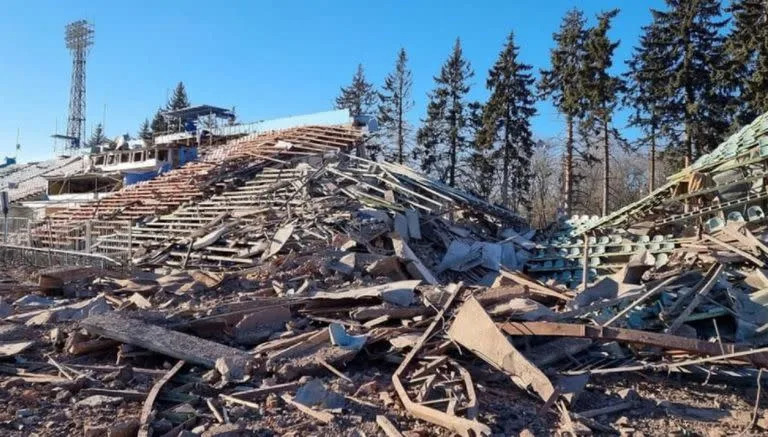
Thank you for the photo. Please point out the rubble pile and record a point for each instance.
(326, 294)
(331, 206)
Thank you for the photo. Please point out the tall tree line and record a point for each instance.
(697, 73)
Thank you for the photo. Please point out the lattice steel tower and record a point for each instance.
(79, 38)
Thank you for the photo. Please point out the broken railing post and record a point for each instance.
(88, 230)
(585, 262)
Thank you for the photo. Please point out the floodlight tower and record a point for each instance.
(79, 38)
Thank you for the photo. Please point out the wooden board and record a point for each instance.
(164, 341)
(474, 329)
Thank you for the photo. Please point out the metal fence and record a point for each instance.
(103, 242)
(15, 231)
(113, 239)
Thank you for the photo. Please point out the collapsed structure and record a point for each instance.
(279, 281)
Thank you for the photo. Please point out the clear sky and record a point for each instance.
(268, 59)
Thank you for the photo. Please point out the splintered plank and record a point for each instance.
(474, 329)
(146, 410)
(164, 341)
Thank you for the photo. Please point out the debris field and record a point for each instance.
(285, 286)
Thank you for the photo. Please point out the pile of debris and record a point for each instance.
(335, 206)
(331, 295)
(352, 338)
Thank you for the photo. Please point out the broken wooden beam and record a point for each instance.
(666, 341)
(174, 344)
(321, 416)
(533, 286)
(146, 410)
(387, 426)
(707, 283)
(260, 392)
(55, 278)
(459, 425)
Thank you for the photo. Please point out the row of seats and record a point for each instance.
(754, 213)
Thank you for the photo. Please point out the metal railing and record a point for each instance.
(15, 231)
(103, 243)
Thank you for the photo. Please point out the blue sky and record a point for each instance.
(268, 59)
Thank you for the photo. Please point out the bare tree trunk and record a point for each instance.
(505, 178)
(689, 101)
(452, 168)
(505, 167)
(400, 139)
(606, 169)
(652, 162)
(688, 145)
(568, 170)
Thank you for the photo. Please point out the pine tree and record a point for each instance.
(506, 120)
(359, 97)
(481, 172)
(396, 101)
(696, 98)
(747, 48)
(564, 83)
(97, 136)
(647, 76)
(159, 124)
(145, 133)
(602, 91)
(443, 135)
(179, 100)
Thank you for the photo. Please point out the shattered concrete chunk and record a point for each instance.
(99, 401)
(315, 393)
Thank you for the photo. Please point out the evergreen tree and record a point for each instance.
(359, 97)
(747, 48)
(481, 172)
(97, 136)
(565, 84)
(179, 99)
(159, 124)
(696, 98)
(396, 101)
(602, 91)
(443, 135)
(646, 79)
(145, 133)
(506, 120)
